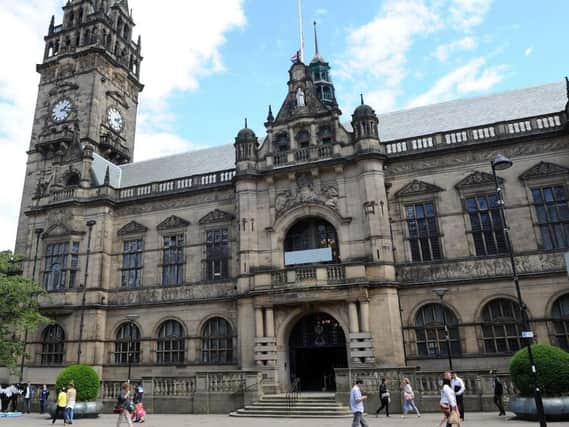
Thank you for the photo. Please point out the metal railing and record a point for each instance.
(293, 394)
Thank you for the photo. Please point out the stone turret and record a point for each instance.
(365, 124)
(246, 145)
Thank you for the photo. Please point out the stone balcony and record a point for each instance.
(303, 155)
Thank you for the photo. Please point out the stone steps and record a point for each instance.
(310, 406)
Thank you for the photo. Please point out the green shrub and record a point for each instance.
(552, 365)
(85, 379)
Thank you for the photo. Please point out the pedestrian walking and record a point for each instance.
(499, 395)
(61, 404)
(4, 397)
(124, 406)
(28, 394)
(138, 393)
(70, 407)
(448, 403)
(385, 398)
(44, 395)
(459, 388)
(357, 405)
(13, 393)
(408, 399)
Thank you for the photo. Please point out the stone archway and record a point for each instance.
(317, 345)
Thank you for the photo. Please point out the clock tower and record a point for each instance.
(88, 94)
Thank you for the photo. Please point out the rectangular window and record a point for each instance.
(61, 267)
(423, 232)
(216, 264)
(131, 273)
(552, 211)
(173, 260)
(486, 223)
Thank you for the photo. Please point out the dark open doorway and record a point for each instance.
(317, 346)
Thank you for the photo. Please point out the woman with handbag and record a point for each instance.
(408, 399)
(448, 404)
(124, 406)
(384, 397)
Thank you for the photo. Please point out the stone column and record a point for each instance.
(364, 316)
(269, 322)
(259, 326)
(353, 316)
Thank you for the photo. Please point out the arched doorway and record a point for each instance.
(317, 346)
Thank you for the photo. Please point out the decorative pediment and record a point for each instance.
(418, 187)
(216, 216)
(132, 227)
(173, 222)
(59, 230)
(544, 170)
(477, 179)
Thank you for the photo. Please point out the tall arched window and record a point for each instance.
(171, 343)
(311, 233)
(560, 315)
(500, 326)
(52, 345)
(217, 341)
(430, 331)
(127, 344)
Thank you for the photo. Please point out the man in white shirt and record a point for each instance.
(357, 405)
(458, 386)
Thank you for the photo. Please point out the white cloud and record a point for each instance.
(181, 44)
(445, 50)
(475, 76)
(465, 14)
(321, 12)
(528, 51)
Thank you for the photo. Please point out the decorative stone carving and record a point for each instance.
(172, 222)
(544, 170)
(477, 179)
(418, 187)
(132, 227)
(305, 193)
(216, 216)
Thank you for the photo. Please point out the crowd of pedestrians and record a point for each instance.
(451, 399)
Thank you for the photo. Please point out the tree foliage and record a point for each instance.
(19, 309)
(552, 365)
(85, 379)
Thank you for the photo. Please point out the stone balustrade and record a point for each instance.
(308, 275)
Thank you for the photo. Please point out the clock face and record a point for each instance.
(114, 119)
(61, 110)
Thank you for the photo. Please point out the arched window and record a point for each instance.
(217, 341)
(500, 326)
(430, 331)
(52, 342)
(171, 343)
(311, 233)
(303, 139)
(127, 344)
(281, 143)
(560, 315)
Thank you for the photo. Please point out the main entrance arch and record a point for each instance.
(317, 345)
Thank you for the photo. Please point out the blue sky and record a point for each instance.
(208, 64)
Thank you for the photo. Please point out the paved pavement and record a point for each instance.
(429, 420)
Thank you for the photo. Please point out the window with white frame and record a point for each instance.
(61, 265)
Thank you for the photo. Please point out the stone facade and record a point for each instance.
(204, 257)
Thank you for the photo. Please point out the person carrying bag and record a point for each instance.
(124, 406)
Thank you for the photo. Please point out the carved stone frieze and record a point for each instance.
(544, 170)
(418, 187)
(477, 179)
(216, 216)
(132, 227)
(173, 222)
(305, 193)
(477, 154)
(480, 268)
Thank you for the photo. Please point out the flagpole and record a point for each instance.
(300, 32)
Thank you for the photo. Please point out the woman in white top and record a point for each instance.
(408, 399)
(448, 402)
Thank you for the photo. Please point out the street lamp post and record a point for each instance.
(90, 225)
(38, 232)
(440, 292)
(131, 318)
(501, 162)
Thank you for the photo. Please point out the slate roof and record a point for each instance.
(473, 112)
(453, 115)
(178, 165)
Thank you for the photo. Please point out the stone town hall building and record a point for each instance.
(315, 247)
